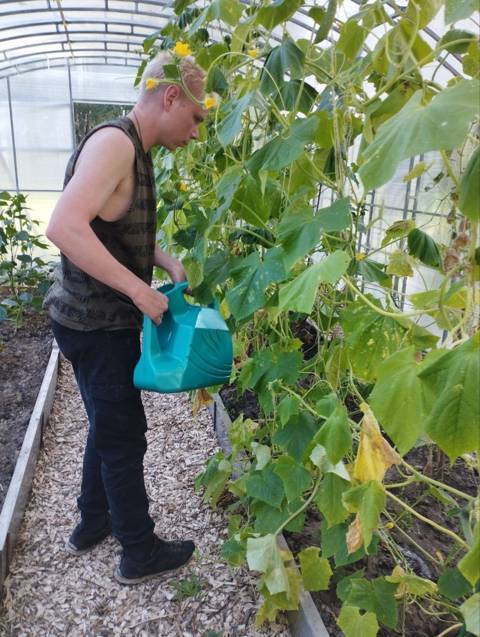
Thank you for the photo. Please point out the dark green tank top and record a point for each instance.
(79, 301)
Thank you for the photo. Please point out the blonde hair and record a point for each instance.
(192, 75)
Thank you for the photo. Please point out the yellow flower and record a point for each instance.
(182, 49)
(210, 102)
(389, 525)
(360, 256)
(183, 186)
(151, 83)
(253, 53)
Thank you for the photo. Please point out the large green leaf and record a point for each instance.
(316, 570)
(277, 12)
(254, 276)
(296, 435)
(268, 519)
(399, 399)
(368, 500)
(454, 379)
(268, 365)
(459, 9)
(376, 596)
(225, 190)
(469, 201)
(471, 612)
(231, 125)
(329, 498)
(282, 59)
(296, 96)
(469, 565)
(452, 584)
(300, 293)
(286, 147)
(300, 232)
(353, 624)
(370, 338)
(422, 12)
(266, 486)
(249, 202)
(351, 39)
(335, 434)
(296, 479)
(422, 246)
(419, 128)
(227, 10)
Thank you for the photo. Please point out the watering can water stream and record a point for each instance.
(191, 348)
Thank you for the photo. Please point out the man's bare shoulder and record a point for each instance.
(109, 144)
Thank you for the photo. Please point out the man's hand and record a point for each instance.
(176, 271)
(171, 265)
(150, 302)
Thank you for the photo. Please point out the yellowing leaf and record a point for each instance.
(354, 535)
(374, 455)
(224, 309)
(410, 584)
(202, 399)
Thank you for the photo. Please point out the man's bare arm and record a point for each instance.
(106, 159)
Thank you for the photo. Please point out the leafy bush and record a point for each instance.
(24, 277)
(298, 117)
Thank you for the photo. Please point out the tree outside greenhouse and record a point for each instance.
(355, 325)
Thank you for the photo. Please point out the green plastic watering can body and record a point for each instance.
(191, 348)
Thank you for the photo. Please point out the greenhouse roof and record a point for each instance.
(45, 33)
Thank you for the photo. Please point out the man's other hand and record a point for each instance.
(150, 302)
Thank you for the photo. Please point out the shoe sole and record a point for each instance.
(72, 549)
(130, 581)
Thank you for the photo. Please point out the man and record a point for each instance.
(104, 225)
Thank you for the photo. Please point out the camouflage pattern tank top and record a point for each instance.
(77, 300)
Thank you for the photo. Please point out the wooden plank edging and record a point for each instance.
(306, 621)
(18, 492)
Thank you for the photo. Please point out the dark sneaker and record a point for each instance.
(165, 557)
(83, 539)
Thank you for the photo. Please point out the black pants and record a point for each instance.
(103, 362)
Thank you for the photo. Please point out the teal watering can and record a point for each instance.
(191, 348)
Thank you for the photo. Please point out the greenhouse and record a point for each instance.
(239, 318)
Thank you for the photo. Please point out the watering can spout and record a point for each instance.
(191, 348)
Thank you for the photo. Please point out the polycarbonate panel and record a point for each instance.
(84, 4)
(86, 26)
(42, 126)
(7, 166)
(104, 84)
(6, 7)
(28, 43)
(121, 4)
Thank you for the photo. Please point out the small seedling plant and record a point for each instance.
(24, 276)
(389, 374)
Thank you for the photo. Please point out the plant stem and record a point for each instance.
(449, 630)
(438, 484)
(302, 508)
(377, 309)
(436, 526)
(412, 541)
(449, 168)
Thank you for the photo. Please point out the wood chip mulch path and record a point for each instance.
(50, 593)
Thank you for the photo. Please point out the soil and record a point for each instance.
(24, 354)
(430, 461)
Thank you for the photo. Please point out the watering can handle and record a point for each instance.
(176, 300)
